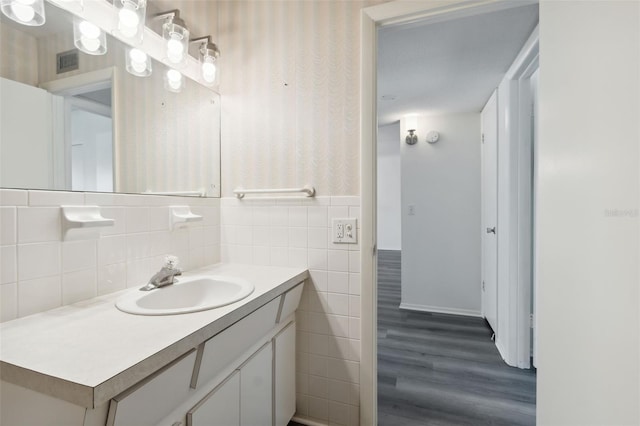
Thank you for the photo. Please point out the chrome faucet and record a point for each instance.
(165, 276)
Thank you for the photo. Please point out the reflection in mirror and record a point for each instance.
(84, 123)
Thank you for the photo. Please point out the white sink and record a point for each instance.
(188, 294)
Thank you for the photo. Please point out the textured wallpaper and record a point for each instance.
(290, 80)
(18, 55)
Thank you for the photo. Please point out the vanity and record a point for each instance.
(92, 364)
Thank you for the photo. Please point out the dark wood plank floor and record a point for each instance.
(436, 369)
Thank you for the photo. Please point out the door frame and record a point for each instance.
(515, 274)
(392, 13)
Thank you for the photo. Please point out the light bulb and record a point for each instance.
(23, 10)
(174, 79)
(128, 20)
(209, 70)
(91, 44)
(175, 49)
(89, 30)
(138, 60)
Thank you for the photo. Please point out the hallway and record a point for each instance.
(437, 369)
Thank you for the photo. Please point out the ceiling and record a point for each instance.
(429, 68)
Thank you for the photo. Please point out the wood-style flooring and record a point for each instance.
(436, 369)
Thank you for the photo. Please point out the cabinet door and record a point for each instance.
(220, 407)
(256, 402)
(284, 375)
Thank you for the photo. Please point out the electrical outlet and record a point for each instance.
(412, 209)
(344, 231)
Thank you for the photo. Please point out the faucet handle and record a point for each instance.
(171, 262)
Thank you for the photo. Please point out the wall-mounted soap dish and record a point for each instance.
(83, 222)
(181, 215)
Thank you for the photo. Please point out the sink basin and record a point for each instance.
(189, 294)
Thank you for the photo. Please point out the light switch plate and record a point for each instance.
(344, 231)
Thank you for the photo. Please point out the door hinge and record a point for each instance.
(482, 285)
(531, 320)
(483, 138)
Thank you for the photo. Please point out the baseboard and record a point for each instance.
(306, 421)
(440, 310)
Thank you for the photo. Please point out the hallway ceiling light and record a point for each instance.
(89, 37)
(138, 63)
(25, 12)
(208, 55)
(131, 17)
(174, 81)
(176, 35)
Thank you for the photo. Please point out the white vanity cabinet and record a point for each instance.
(229, 367)
(260, 391)
(242, 399)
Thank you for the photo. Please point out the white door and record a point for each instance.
(221, 406)
(490, 211)
(23, 142)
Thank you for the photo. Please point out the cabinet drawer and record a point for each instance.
(225, 347)
(291, 302)
(154, 398)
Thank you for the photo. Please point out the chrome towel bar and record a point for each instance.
(308, 190)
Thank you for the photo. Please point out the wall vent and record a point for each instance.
(67, 61)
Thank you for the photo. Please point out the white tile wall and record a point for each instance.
(40, 272)
(296, 233)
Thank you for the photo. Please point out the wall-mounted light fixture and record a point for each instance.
(76, 5)
(88, 37)
(208, 55)
(176, 36)
(411, 123)
(25, 12)
(131, 17)
(138, 62)
(174, 81)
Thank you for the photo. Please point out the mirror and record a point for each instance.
(92, 126)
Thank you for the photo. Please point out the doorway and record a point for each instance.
(409, 208)
(91, 139)
(83, 131)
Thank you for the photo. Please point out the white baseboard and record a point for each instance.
(440, 310)
(306, 421)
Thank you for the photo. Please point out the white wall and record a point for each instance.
(441, 242)
(389, 224)
(588, 256)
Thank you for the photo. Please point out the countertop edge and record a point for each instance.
(48, 385)
(91, 397)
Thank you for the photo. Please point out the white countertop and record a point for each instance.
(89, 352)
